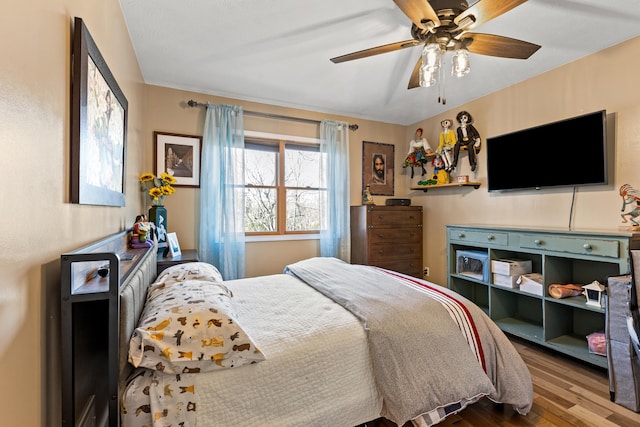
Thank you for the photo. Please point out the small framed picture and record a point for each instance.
(179, 156)
(174, 246)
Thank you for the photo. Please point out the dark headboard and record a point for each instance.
(98, 315)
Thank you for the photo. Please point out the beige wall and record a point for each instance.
(168, 112)
(605, 80)
(38, 222)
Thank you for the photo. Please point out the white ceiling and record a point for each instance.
(277, 51)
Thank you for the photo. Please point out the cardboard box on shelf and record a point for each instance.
(531, 283)
(511, 267)
(505, 280)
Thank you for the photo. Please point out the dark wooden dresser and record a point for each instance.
(387, 236)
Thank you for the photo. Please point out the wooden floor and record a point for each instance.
(566, 393)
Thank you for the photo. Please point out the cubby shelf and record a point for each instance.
(560, 256)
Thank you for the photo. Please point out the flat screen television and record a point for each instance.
(566, 153)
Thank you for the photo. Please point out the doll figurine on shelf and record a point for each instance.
(141, 236)
(419, 149)
(447, 143)
(440, 174)
(468, 137)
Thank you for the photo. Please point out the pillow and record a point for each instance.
(188, 271)
(191, 327)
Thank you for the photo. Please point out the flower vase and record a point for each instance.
(158, 216)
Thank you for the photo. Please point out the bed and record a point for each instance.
(323, 343)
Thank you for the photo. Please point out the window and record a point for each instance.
(282, 187)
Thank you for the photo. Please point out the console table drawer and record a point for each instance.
(475, 236)
(573, 245)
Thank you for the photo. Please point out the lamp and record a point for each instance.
(427, 78)
(432, 55)
(460, 63)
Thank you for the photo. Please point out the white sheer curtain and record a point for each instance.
(335, 237)
(222, 241)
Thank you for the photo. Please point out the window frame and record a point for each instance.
(280, 141)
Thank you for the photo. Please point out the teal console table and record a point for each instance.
(560, 256)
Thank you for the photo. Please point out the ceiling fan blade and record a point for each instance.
(391, 47)
(485, 10)
(414, 81)
(419, 11)
(492, 45)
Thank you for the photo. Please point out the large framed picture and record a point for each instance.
(179, 155)
(377, 167)
(98, 126)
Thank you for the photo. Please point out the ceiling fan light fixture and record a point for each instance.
(427, 77)
(431, 57)
(460, 63)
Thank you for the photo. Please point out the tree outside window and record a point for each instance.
(282, 187)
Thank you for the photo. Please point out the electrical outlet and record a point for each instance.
(425, 272)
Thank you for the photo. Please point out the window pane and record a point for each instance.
(261, 210)
(260, 167)
(303, 210)
(302, 166)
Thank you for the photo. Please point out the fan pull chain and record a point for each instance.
(442, 86)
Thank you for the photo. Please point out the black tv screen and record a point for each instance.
(569, 152)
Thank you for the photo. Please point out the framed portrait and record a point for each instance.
(377, 168)
(98, 126)
(174, 246)
(179, 155)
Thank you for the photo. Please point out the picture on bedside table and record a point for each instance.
(174, 246)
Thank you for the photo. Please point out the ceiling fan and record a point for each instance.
(446, 24)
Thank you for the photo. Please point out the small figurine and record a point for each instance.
(469, 137)
(447, 142)
(419, 149)
(440, 173)
(141, 233)
(367, 199)
(630, 196)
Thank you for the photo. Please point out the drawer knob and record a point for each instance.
(461, 235)
(587, 246)
(491, 237)
(538, 242)
(381, 236)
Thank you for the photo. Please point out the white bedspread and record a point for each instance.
(303, 382)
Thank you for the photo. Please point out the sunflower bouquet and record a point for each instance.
(157, 187)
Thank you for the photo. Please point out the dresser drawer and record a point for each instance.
(572, 245)
(395, 218)
(379, 252)
(395, 235)
(476, 236)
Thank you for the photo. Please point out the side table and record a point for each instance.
(188, 255)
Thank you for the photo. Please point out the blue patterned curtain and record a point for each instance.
(222, 241)
(335, 237)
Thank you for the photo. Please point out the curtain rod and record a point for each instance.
(193, 103)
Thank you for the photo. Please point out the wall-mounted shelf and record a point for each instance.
(425, 188)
